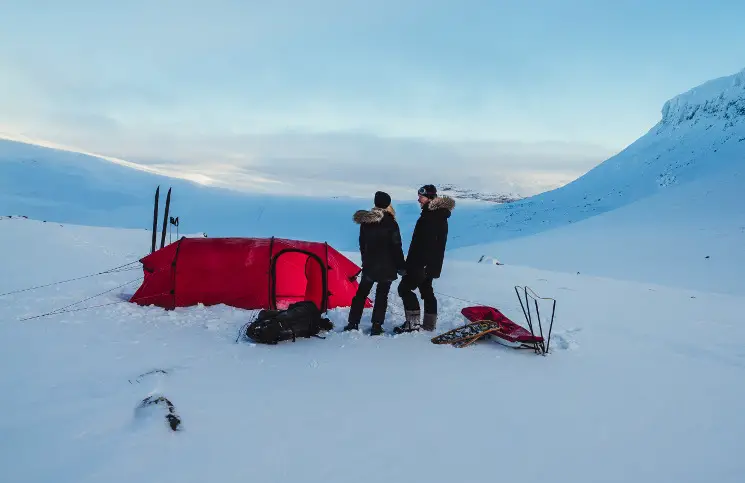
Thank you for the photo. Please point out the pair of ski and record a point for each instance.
(466, 335)
(173, 221)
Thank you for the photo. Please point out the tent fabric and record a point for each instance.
(248, 273)
(509, 330)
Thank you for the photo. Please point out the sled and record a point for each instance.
(510, 334)
(466, 334)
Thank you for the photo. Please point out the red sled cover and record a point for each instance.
(510, 331)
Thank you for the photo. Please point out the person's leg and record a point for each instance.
(430, 304)
(412, 310)
(406, 291)
(358, 303)
(380, 307)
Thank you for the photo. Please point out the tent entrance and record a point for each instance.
(297, 276)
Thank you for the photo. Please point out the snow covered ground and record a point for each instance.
(638, 387)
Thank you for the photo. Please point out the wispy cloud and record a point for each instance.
(348, 164)
(517, 96)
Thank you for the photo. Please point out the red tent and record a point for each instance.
(249, 273)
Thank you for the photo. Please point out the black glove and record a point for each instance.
(402, 272)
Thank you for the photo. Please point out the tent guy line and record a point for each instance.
(63, 310)
(119, 269)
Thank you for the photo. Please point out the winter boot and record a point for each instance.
(351, 326)
(412, 323)
(377, 328)
(430, 322)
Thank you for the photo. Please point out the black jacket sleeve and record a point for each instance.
(362, 242)
(397, 248)
(436, 253)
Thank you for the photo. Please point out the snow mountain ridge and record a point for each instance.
(701, 132)
(668, 210)
(713, 101)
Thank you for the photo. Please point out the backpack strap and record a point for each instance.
(292, 331)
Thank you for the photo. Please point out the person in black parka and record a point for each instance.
(382, 260)
(425, 258)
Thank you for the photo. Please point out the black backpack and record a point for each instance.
(301, 319)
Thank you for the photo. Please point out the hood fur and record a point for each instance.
(372, 216)
(444, 202)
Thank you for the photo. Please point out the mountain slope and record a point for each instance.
(68, 187)
(668, 210)
(55, 185)
(701, 132)
(690, 236)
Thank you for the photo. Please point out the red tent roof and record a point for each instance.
(249, 273)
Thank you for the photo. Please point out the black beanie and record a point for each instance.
(382, 200)
(429, 191)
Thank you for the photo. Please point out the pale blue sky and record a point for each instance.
(224, 82)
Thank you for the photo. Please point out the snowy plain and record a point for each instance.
(642, 382)
(639, 380)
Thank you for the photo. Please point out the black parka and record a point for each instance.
(380, 244)
(427, 249)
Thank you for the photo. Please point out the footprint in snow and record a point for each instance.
(564, 340)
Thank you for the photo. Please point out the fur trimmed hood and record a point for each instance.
(374, 215)
(444, 202)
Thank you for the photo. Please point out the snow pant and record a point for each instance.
(423, 282)
(381, 300)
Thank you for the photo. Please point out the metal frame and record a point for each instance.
(539, 347)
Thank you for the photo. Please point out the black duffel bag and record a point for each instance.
(301, 319)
